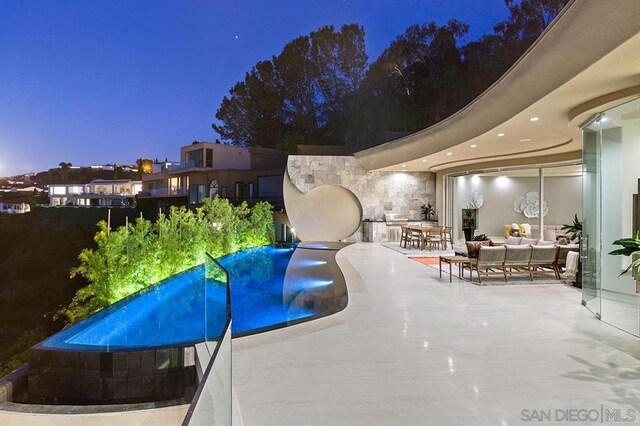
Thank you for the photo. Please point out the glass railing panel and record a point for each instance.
(212, 401)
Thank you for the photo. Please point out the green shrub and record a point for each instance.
(16, 354)
(132, 257)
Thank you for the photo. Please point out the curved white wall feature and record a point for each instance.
(603, 46)
(326, 213)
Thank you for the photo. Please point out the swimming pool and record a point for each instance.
(141, 349)
(271, 287)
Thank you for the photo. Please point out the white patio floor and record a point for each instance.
(413, 349)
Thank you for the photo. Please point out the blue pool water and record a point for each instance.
(172, 313)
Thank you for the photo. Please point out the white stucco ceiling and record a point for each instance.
(588, 52)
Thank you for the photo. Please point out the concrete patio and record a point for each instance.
(413, 349)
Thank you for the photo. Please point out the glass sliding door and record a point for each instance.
(620, 128)
(591, 202)
(611, 157)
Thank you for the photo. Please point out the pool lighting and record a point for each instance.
(309, 283)
(306, 263)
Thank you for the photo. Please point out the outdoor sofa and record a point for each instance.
(518, 255)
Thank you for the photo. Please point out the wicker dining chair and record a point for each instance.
(447, 237)
(435, 237)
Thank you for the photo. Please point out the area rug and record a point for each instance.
(416, 252)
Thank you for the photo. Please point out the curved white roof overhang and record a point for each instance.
(587, 58)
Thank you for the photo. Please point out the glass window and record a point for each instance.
(213, 188)
(58, 190)
(209, 157)
(194, 158)
(250, 190)
(239, 190)
(196, 194)
(223, 192)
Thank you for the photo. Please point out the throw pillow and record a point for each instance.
(513, 240)
(473, 247)
(507, 231)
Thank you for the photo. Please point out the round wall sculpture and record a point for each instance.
(326, 213)
(529, 205)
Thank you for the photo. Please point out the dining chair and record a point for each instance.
(434, 237)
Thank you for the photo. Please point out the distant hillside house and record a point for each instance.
(208, 169)
(14, 208)
(98, 193)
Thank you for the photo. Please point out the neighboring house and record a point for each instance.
(99, 192)
(208, 169)
(14, 208)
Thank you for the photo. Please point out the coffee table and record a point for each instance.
(455, 260)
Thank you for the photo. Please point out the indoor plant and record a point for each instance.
(630, 247)
(469, 223)
(574, 230)
(427, 211)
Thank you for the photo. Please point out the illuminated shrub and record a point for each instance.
(132, 257)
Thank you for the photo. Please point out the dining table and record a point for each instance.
(425, 231)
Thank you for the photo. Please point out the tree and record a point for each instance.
(145, 166)
(416, 81)
(64, 170)
(302, 94)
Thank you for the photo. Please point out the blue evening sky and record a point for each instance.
(98, 81)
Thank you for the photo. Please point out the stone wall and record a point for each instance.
(379, 192)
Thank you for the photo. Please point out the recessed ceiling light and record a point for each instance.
(526, 140)
(534, 118)
(474, 145)
(449, 153)
(404, 165)
(424, 161)
(500, 135)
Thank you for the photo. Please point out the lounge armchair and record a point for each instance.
(489, 258)
(543, 257)
(517, 257)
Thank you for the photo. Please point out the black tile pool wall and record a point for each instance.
(79, 378)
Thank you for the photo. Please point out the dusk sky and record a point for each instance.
(94, 82)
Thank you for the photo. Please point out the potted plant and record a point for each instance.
(427, 211)
(574, 230)
(469, 223)
(630, 247)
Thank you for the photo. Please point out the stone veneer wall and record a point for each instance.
(379, 192)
